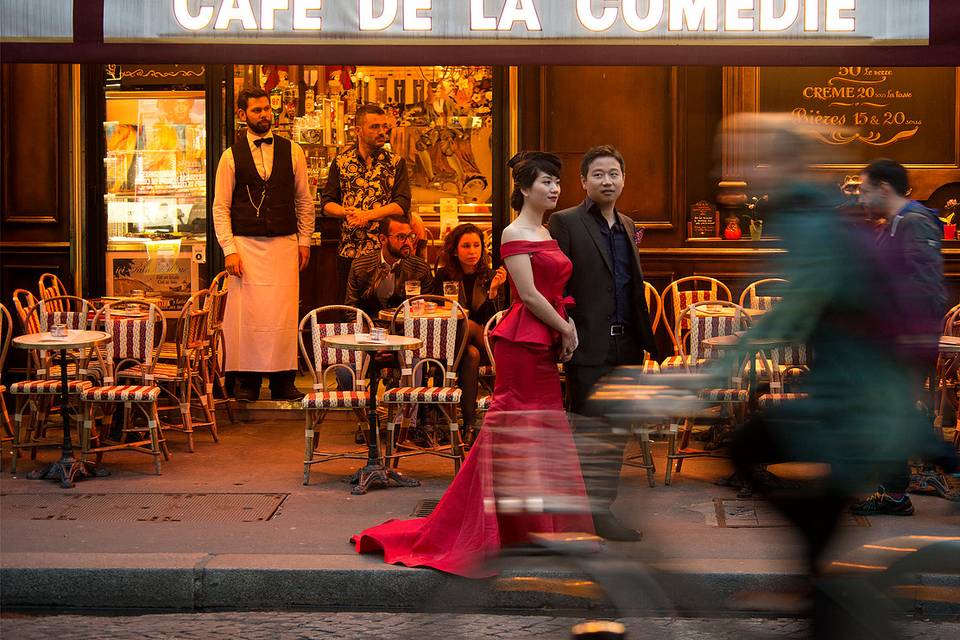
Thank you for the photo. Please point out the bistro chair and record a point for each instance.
(23, 301)
(752, 299)
(676, 298)
(705, 322)
(51, 287)
(324, 363)
(655, 310)
(488, 372)
(216, 346)
(36, 395)
(184, 381)
(6, 334)
(132, 353)
(484, 401)
(441, 350)
(788, 365)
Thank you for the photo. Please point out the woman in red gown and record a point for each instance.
(522, 475)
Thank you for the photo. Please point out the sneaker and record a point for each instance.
(881, 504)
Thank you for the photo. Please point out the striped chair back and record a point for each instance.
(52, 287)
(782, 360)
(71, 311)
(23, 301)
(68, 310)
(438, 335)
(710, 320)
(134, 340)
(680, 294)
(324, 359)
(752, 299)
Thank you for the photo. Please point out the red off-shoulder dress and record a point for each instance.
(523, 457)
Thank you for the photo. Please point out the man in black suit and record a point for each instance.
(613, 323)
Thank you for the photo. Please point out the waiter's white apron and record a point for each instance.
(260, 321)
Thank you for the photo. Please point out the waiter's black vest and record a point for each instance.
(278, 212)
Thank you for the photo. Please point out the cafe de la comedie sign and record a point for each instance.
(639, 22)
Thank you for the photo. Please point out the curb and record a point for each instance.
(197, 582)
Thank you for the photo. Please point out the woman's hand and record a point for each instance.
(569, 341)
(499, 277)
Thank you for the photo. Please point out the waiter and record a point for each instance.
(264, 216)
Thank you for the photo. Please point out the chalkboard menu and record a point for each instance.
(909, 114)
(703, 221)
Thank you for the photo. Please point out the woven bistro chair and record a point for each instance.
(484, 401)
(324, 363)
(751, 297)
(23, 301)
(6, 334)
(704, 322)
(655, 309)
(676, 298)
(184, 381)
(216, 345)
(135, 346)
(51, 287)
(441, 350)
(788, 365)
(36, 395)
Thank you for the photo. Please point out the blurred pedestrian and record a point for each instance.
(842, 301)
(909, 239)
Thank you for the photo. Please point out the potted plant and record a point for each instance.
(753, 218)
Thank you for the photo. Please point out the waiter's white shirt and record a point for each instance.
(263, 159)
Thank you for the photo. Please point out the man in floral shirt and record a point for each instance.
(366, 183)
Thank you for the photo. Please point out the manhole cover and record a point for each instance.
(743, 514)
(143, 507)
(425, 508)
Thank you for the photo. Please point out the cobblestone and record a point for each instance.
(399, 626)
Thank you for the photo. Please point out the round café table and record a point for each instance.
(375, 472)
(67, 468)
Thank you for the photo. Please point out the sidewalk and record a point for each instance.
(300, 556)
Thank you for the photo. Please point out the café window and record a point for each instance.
(441, 120)
(155, 170)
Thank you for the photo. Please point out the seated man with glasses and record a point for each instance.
(378, 279)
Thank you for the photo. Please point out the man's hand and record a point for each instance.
(357, 217)
(232, 265)
(304, 257)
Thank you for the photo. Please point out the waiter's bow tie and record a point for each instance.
(260, 141)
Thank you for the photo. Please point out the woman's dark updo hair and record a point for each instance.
(526, 166)
(449, 257)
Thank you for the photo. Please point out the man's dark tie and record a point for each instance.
(260, 141)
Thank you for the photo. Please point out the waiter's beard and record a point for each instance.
(259, 128)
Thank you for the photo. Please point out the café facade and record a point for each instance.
(114, 114)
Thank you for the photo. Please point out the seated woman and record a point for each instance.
(464, 260)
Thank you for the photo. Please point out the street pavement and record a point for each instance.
(301, 558)
(418, 626)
